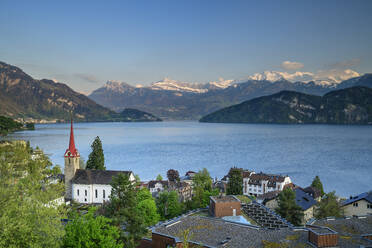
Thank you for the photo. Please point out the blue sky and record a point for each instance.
(86, 43)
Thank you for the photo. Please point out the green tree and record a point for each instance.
(159, 178)
(168, 205)
(96, 159)
(88, 231)
(147, 207)
(123, 210)
(328, 206)
(235, 183)
(318, 184)
(29, 216)
(202, 180)
(287, 207)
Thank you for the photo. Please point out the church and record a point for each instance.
(86, 186)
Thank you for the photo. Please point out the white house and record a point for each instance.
(258, 184)
(358, 205)
(93, 186)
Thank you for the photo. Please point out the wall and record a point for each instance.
(350, 210)
(325, 240)
(91, 193)
(71, 165)
(221, 209)
(272, 204)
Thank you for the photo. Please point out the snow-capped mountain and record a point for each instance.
(172, 99)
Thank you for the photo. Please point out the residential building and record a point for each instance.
(314, 192)
(261, 183)
(183, 189)
(358, 205)
(157, 186)
(307, 204)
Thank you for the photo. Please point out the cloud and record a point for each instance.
(291, 65)
(345, 64)
(87, 77)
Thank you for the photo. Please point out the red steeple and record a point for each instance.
(71, 151)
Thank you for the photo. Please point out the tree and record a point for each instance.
(29, 216)
(88, 231)
(124, 212)
(235, 183)
(202, 180)
(328, 206)
(159, 178)
(147, 207)
(318, 184)
(173, 175)
(202, 186)
(96, 159)
(287, 207)
(168, 205)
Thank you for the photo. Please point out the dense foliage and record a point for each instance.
(173, 175)
(328, 206)
(147, 206)
(235, 183)
(90, 231)
(124, 212)
(202, 188)
(8, 125)
(96, 159)
(287, 207)
(168, 205)
(29, 214)
(318, 185)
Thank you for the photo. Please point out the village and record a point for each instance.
(243, 209)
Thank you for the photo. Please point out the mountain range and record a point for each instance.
(346, 106)
(171, 99)
(23, 97)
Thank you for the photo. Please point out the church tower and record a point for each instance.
(72, 158)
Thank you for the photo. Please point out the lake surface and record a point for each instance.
(340, 155)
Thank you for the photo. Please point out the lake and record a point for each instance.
(340, 155)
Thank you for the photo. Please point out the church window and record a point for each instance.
(104, 194)
(96, 193)
(78, 192)
(86, 192)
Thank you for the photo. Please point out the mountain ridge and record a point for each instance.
(345, 106)
(24, 97)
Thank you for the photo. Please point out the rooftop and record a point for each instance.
(364, 196)
(304, 200)
(215, 232)
(95, 176)
(227, 198)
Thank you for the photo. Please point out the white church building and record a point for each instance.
(87, 186)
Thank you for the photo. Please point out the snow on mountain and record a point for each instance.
(221, 83)
(174, 85)
(116, 86)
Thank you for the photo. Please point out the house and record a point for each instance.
(188, 177)
(358, 205)
(157, 186)
(314, 192)
(269, 199)
(86, 186)
(261, 183)
(307, 204)
(183, 189)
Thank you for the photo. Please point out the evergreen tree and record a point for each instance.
(96, 159)
(124, 212)
(235, 183)
(159, 178)
(88, 231)
(328, 206)
(288, 208)
(318, 184)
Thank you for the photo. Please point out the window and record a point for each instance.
(78, 192)
(86, 192)
(369, 206)
(104, 194)
(355, 204)
(96, 193)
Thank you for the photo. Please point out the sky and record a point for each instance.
(86, 43)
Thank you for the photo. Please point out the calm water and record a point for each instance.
(340, 155)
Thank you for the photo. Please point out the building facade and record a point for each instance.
(358, 205)
(259, 184)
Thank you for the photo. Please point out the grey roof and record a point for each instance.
(304, 200)
(314, 192)
(215, 232)
(226, 198)
(95, 176)
(365, 196)
(152, 183)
